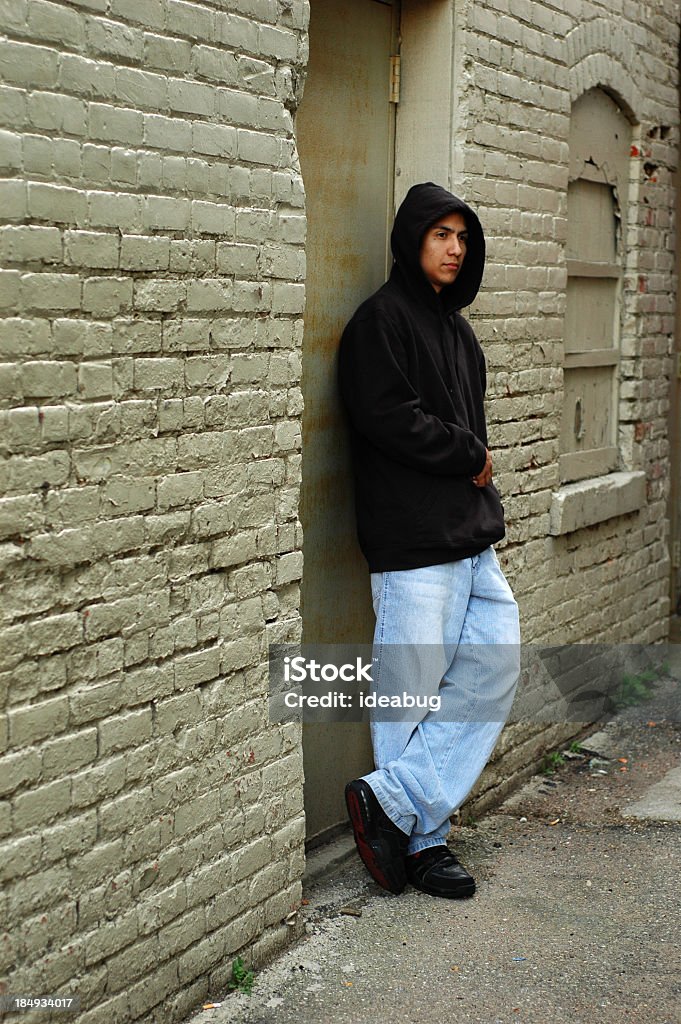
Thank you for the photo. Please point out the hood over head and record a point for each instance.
(422, 206)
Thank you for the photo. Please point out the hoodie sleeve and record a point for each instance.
(384, 407)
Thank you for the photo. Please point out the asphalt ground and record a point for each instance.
(575, 920)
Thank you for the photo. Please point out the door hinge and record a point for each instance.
(395, 69)
(676, 554)
(678, 365)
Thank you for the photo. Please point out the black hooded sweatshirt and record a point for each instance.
(412, 379)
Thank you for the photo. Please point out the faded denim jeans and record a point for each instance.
(449, 631)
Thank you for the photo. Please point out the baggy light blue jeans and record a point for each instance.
(437, 631)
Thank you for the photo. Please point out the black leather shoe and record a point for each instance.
(380, 843)
(438, 872)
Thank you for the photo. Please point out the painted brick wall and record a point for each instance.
(152, 245)
(520, 66)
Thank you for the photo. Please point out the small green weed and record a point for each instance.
(551, 762)
(635, 689)
(576, 747)
(242, 980)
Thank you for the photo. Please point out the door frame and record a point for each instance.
(422, 143)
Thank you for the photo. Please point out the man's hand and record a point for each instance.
(485, 475)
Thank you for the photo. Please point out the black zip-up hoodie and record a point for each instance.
(412, 378)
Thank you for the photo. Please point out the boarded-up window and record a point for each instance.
(599, 160)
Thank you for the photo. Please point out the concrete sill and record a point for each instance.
(592, 501)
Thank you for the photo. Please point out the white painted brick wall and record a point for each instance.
(519, 71)
(151, 238)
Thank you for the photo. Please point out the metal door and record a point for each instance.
(345, 134)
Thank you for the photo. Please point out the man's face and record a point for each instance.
(443, 249)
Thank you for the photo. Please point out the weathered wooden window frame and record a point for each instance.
(590, 164)
(576, 464)
(599, 489)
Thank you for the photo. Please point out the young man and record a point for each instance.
(412, 377)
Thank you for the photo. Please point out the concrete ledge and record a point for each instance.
(592, 501)
(325, 861)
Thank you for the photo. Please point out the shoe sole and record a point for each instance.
(385, 879)
(462, 892)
